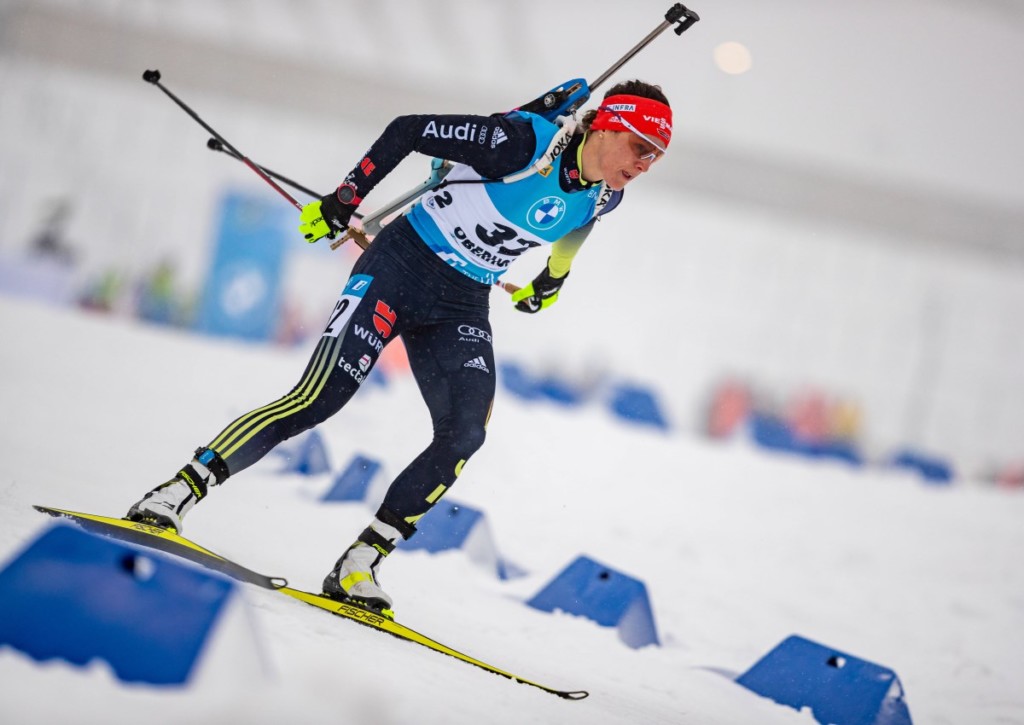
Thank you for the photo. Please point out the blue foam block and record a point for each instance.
(838, 687)
(353, 483)
(447, 526)
(600, 593)
(931, 468)
(518, 382)
(451, 525)
(78, 596)
(637, 405)
(308, 456)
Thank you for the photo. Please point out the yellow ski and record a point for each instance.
(169, 542)
(379, 622)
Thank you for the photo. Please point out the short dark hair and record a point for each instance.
(627, 88)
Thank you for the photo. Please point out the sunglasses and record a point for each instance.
(653, 155)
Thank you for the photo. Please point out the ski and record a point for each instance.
(168, 542)
(383, 624)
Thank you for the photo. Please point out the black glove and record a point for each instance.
(339, 207)
(540, 293)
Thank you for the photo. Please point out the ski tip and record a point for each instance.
(576, 695)
(278, 582)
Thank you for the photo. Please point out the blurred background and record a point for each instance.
(830, 261)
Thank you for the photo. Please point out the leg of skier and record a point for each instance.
(453, 364)
(364, 319)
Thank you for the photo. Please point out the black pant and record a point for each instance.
(398, 287)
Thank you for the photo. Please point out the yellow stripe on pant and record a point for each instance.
(301, 397)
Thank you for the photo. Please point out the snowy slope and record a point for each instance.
(738, 550)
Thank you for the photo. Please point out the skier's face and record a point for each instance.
(621, 156)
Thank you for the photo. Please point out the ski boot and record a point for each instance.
(354, 579)
(166, 505)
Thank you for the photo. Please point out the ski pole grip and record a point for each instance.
(677, 13)
(691, 18)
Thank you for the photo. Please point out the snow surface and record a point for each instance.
(738, 549)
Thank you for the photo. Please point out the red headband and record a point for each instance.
(646, 116)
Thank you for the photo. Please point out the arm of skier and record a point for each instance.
(494, 146)
(543, 290)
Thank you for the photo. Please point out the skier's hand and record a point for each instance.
(312, 225)
(329, 215)
(540, 293)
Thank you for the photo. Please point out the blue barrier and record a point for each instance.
(637, 405)
(549, 387)
(353, 483)
(518, 382)
(306, 455)
(629, 402)
(451, 525)
(839, 688)
(608, 597)
(930, 468)
(77, 596)
(838, 450)
(447, 526)
(553, 388)
(771, 432)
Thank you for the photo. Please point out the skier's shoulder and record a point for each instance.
(525, 123)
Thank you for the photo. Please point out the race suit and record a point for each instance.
(427, 278)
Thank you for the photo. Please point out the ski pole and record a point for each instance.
(219, 143)
(677, 14)
(561, 98)
(153, 76)
(358, 235)
(216, 145)
(508, 286)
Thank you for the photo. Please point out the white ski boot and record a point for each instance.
(354, 578)
(166, 505)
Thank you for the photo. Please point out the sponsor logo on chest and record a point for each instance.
(546, 213)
